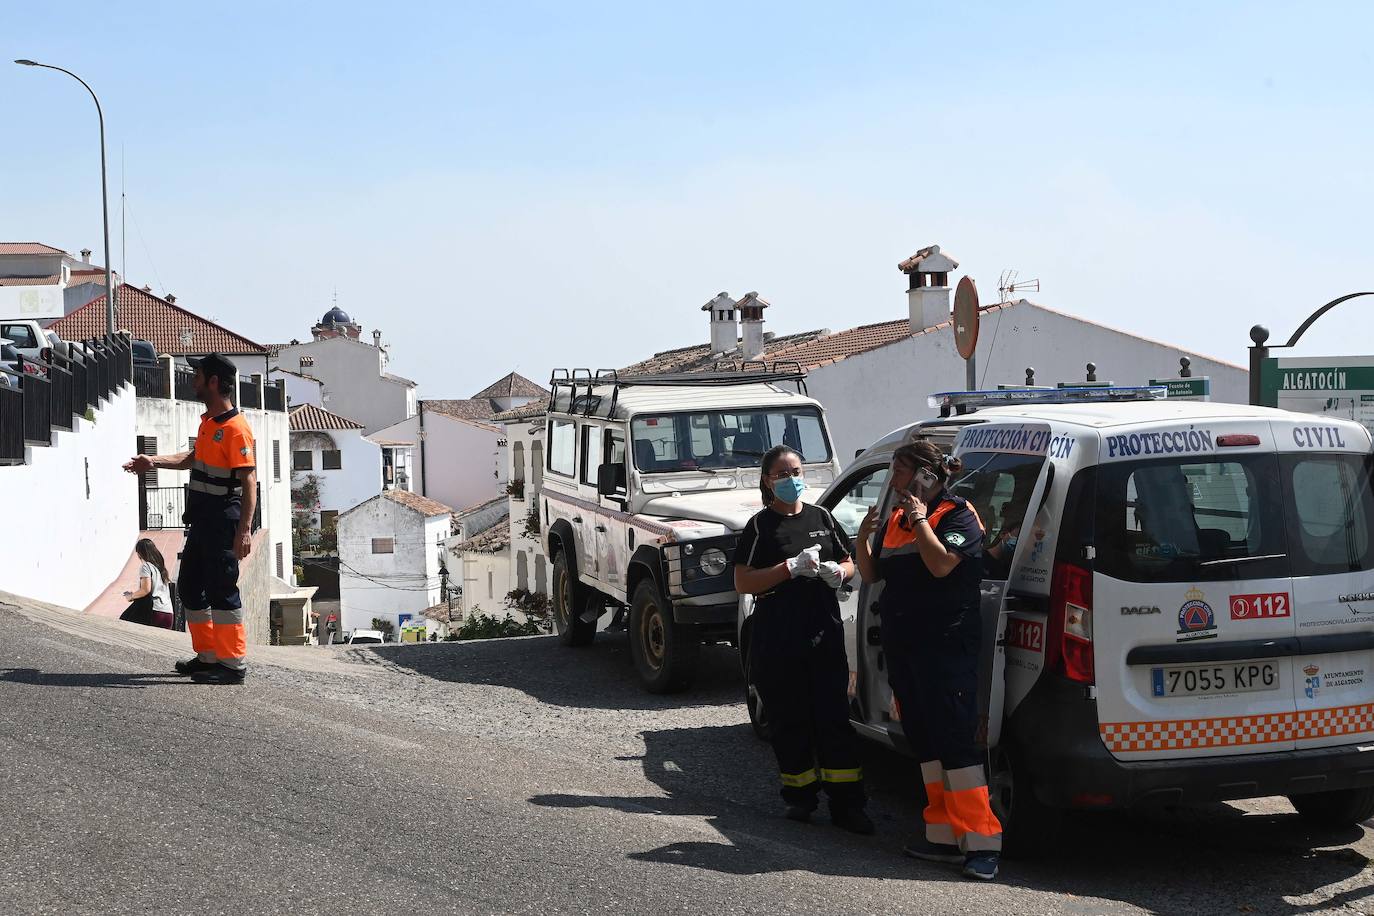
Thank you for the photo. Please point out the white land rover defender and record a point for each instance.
(648, 481)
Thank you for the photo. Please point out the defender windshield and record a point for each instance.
(736, 438)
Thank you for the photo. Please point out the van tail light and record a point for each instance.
(1071, 623)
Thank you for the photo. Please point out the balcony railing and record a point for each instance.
(160, 508)
(41, 395)
(154, 382)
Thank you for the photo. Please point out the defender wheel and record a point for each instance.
(569, 601)
(1337, 809)
(1029, 827)
(665, 652)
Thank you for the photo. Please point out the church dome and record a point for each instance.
(335, 315)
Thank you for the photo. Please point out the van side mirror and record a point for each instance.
(610, 479)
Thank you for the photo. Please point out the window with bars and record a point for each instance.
(276, 459)
(331, 460)
(281, 560)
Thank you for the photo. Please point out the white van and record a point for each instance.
(1186, 616)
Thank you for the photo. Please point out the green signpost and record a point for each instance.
(1197, 388)
(1338, 386)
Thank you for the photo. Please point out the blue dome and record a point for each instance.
(336, 315)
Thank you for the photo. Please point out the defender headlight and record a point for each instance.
(713, 561)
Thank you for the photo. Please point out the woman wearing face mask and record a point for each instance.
(929, 555)
(793, 557)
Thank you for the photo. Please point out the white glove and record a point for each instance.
(832, 574)
(806, 563)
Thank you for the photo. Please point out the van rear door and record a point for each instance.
(1326, 469)
(1192, 628)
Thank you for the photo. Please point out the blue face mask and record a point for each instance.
(789, 489)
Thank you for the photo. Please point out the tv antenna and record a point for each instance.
(1008, 285)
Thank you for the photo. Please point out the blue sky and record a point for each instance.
(521, 186)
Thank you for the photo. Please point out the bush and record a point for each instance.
(484, 626)
(387, 628)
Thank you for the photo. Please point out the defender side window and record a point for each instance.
(562, 447)
(591, 453)
(613, 448)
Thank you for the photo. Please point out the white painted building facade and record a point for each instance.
(300, 389)
(347, 466)
(391, 548)
(529, 568)
(456, 461)
(71, 510)
(354, 378)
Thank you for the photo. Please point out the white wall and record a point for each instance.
(871, 394)
(359, 476)
(38, 302)
(175, 423)
(351, 372)
(526, 433)
(71, 511)
(466, 463)
(299, 390)
(486, 578)
(387, 585)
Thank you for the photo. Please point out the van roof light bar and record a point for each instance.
(965, 401)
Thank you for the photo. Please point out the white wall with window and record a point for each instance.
(525, 435)
(389, 559)
(347, 465)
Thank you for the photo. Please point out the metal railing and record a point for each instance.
(151, 382)
(183, 384)
(40, 395)
(160, 508)
(248, 393)
(274, 396)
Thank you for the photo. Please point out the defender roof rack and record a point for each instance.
(579, 385)
(962, 402)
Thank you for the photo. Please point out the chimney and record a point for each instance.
(170, 298)
(86, 255)
(751, 314)
(928, 287)
(724, 327)
(377, 338)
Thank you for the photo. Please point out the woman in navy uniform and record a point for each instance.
(793, 557)
(929, 554)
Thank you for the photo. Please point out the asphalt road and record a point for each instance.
(515, 776)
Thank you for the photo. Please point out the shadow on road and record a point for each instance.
(599, 676)
(111, 679)
(1213, 859)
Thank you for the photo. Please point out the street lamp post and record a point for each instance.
(104, 195)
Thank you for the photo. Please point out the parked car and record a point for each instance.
(1187, 615)
(361, 637)
(26, 335)
(649, 482)
(145, 354)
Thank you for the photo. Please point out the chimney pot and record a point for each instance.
(86, 255)
(170, 298)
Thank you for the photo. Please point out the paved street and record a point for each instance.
(513, 777)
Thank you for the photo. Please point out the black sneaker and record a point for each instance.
(918, 847)
(981, 866)
(852, 819)
(799, 813)
(218, 674)
(194, 664)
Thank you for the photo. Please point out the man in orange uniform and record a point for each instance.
(220, 499)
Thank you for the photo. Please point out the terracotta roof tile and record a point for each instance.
(512, 386)
(494, 540)
(309, 417)
(157, 321)
(31, 281)
(28, 248)
(525, 412)
(462, 409)
(427, 507)
(485, 504)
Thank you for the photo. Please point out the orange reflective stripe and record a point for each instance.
(230, 642)
(970, 811)
(896, 535)
(937, 805)
(202, 636)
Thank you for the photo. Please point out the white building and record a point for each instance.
(479, 558)
(44, 283)
(353, 373)
(391, 552)
(525, 447)
(331, 452)
(300, 388)
(458, 454)
(876, 377)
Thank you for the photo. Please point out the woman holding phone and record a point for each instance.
(929, 554)
(793, 557)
